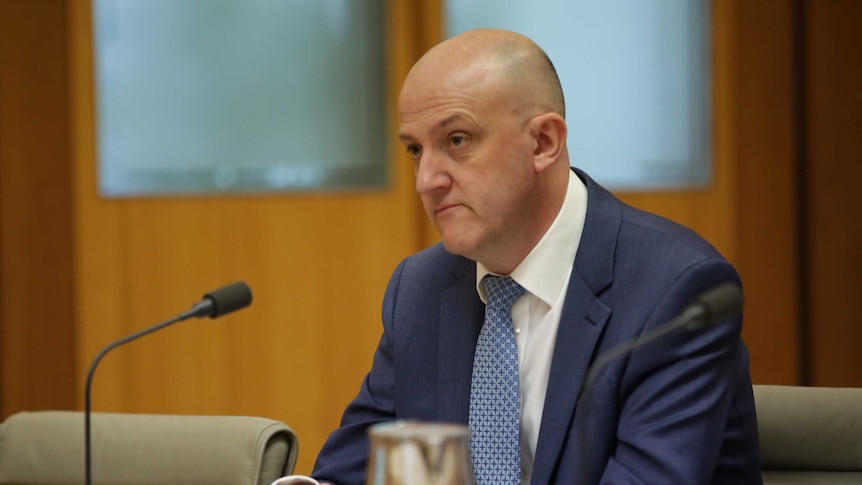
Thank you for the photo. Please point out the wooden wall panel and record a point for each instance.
(834, 128)
(318, 265)
(763, 152)
(36, 264)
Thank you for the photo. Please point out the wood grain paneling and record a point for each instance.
(317, 264)
(36, 260)
(763, 150)
(834, 127)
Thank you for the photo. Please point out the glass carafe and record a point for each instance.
(419, 453)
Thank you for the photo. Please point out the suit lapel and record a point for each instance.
(461, 317)
(582, 322)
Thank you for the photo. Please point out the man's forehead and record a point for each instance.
(442, 122)
(471, 84)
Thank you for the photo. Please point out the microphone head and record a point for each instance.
(228, 298)
(720, 303)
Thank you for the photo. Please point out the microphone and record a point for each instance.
(708, 309)
(214, 304)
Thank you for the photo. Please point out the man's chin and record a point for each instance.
(458, 247)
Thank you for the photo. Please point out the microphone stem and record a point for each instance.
(108, 348)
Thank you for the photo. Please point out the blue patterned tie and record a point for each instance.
(495, 411)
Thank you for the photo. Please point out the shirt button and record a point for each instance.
(517, 330)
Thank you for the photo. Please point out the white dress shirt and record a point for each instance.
(544, 273)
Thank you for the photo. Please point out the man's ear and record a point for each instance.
(549, 131)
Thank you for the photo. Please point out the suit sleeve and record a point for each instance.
(342, 460)
(676, 394)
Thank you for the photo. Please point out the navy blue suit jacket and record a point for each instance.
(679, 410)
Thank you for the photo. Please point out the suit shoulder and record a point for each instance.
(609, 218)
(645, 228)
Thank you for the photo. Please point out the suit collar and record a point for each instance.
(594, 262)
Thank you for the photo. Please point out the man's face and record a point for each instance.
(471, 150)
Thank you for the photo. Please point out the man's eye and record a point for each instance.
(414, 151)
(457, 140)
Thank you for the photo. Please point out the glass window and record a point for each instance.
(197, 96)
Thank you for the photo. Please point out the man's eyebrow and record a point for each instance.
(405, 138)
(438, 126)
(450, 119)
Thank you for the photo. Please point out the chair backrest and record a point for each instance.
(47, 448)
(810, 434)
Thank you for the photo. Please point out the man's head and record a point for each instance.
(482, 116)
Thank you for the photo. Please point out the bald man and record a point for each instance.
(482, 116)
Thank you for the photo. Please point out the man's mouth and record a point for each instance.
(442, 207)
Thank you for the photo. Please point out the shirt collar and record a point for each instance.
(546, 269)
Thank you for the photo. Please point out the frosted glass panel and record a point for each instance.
(239, 95)
(636, 80)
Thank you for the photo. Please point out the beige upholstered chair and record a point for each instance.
(810, 435)
(47, 448)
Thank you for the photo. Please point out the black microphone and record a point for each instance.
(708, 309)
(214, 304)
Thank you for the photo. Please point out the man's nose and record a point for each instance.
(431, 173)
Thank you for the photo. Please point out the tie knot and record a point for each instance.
(502, 291)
